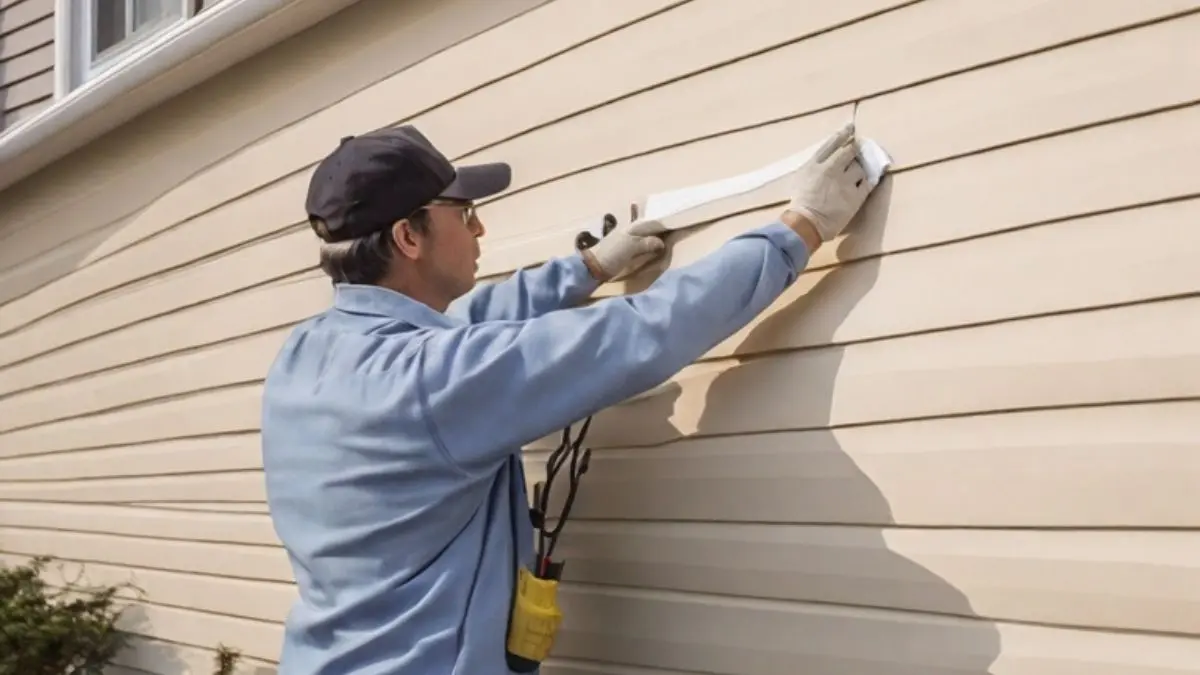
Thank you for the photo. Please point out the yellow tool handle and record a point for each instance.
(535, 621)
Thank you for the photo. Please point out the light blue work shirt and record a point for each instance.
(391, 437)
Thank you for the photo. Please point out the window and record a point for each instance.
(103, 32)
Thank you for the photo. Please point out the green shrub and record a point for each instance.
(226, 660)
(56, 631)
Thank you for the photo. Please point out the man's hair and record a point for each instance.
(365, 260)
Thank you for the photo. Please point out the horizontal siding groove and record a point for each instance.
(226, 386)
(35, 37)
(100, 531)
(301, 122)
(199, 659)
(276, 282)
(39, 211)
(27, 19)
(763, 601)
(990, 474)
(542, 450)
(794, 112)
(1047, 222)
(294, 174)
(147, 503)
(661, 83)
(237, 426)
(149, 360)
(759, 604)
(118, 476)
(1049, 47)
(255, 651)
(218, 435)
(898, 170)
(257, 378)
(151, 602)
(890, 422)
(279, 578)
(516, 69)
(901, 172)
(88, 561)
(202, 612)
(1055, 309)
(903, 575)
(1063, 529)
(153, 358)
(1117, 119)
(137, 503)
(466, 154)
(773, 352)
(181, 507)
(15, 114)
(233, 508)
(544, 443)
(165, 274)
(855, 101)
(179, 352)
(556, 665)
(666, 594)
(26, 66)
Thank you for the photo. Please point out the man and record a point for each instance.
(393, 422)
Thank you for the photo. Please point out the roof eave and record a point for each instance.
(172, 63)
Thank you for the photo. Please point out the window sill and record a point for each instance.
(152, 73)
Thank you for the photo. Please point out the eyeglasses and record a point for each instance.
(467, 209)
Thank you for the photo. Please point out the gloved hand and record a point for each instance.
(831, 186)
(621, 247)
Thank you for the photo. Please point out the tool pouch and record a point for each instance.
(534, 622)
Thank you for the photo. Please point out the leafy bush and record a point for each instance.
(56, 631)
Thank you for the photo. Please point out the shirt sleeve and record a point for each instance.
(490, 388)
(528, 293)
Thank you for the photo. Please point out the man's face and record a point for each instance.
(454, 232)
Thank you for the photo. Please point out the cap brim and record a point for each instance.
(479, 181)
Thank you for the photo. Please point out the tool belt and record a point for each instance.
(535, 616)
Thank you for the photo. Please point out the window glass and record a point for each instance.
(110, 23)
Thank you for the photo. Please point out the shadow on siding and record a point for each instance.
(874, 577)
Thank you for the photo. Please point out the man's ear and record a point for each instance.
(407, 239)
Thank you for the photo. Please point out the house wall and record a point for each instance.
(26, 59)
(964, 441)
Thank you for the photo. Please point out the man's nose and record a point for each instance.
(477, 227)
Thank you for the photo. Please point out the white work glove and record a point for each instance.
(831, 186)
(622, 247)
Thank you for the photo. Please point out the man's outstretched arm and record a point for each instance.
(491, 387)
(528, 293)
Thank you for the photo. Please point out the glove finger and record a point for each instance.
(842, 157)
(644, 228)
(837, 140)
(650, 245)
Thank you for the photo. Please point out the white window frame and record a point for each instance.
(75, 41)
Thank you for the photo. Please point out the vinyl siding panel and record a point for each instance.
(964, 441)
(26, 59)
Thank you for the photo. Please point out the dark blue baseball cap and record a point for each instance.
(372, 180)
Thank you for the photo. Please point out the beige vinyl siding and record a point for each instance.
(26, 59)
(964, 441)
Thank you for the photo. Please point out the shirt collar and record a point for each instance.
(372, 300)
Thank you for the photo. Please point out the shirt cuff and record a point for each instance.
(787, 241)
